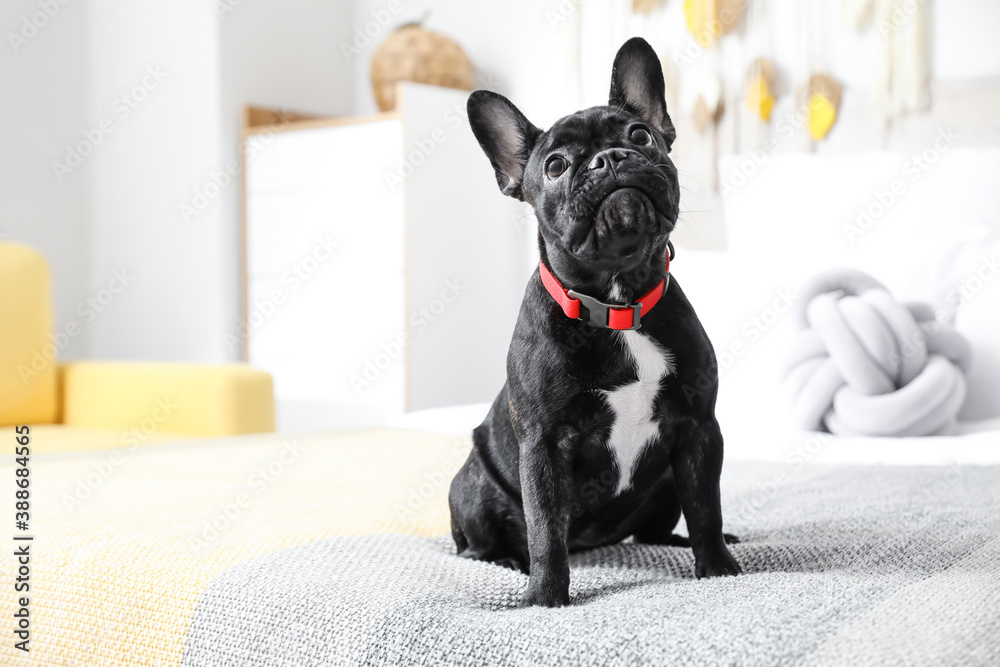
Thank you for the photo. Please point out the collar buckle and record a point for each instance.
(598, 314)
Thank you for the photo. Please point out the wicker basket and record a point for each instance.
(413, 53)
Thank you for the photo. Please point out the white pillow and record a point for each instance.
(921, 224)
(745, 311)
(978, 319)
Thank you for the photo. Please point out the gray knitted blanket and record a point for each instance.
(843, 566)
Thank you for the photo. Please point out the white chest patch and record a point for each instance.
(632, 404)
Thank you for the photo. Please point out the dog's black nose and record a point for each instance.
(607, 158)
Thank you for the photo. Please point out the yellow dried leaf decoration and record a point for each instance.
(644, 6)
(759, 97)
(700, 114)
(822, 94)
(698, 15)
(822, 116)
(707, 20)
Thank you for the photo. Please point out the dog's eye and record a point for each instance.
(640, 136)
(555, 167)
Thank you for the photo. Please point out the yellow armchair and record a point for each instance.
(27, 371)
(103, 403)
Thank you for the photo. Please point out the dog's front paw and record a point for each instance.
(545, 595)
(721, 564)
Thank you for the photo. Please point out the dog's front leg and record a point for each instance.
(697, 463)
(545, 491)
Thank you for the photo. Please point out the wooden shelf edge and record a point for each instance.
(260, 120)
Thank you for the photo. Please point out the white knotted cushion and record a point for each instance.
(864, 364)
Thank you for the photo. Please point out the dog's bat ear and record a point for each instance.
(505, 135)
(637, 85)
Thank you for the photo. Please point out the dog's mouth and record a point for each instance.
(623, 223)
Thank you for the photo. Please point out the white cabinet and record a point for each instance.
(384, 269)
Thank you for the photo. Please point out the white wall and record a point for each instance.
(164, 58)
(144, 199)
(965, 39)
(45, 108)
(283, 55)
(172, 214)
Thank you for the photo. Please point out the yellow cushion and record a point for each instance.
(147, 398)
(28, 393)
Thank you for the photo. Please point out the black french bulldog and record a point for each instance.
(606, 426)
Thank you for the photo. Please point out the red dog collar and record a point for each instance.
(605, 315)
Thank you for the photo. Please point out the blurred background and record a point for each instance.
(219, 181)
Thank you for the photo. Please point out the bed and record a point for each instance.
(333, 549)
